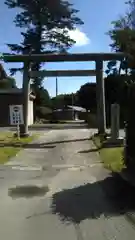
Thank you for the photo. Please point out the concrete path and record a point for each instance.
(57, 189)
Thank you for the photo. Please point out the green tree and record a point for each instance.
(43, 97)
(70, 99)
(58, 102)
(8, 83)
(122, 35)
(87, 96)
(43, 101)
(45, 25)
(123, 39)
(63, 100)
(116, 90)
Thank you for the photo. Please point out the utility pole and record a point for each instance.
(56, 86)
(72, 106)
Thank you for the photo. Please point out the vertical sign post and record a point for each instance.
(16, 117)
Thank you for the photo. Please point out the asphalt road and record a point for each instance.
(58, 189)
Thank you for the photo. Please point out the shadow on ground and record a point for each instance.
(30, 145)
(27, 191)
(89, 150)
(68, 141)
(41, 145)
(109, 197)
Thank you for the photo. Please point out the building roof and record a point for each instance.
(15, 91)
(11, 90)
(77, 108)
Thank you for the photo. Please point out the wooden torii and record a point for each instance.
(98, 58)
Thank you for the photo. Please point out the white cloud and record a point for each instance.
(79, 37)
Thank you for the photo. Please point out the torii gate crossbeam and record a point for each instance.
(62, 73)
(77, 57)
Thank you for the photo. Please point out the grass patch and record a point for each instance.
(9, 145)
(112, 157)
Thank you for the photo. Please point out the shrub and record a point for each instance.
(130, 128)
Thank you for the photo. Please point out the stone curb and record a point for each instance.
(131, 218)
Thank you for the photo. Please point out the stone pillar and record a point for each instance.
(101, 114)
(26, 90)
(115, 118)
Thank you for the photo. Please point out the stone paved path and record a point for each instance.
(58, 189)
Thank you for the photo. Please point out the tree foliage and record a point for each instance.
(116, 91)
(8, 83)
(87, 96)
(45, 26)
(43, 100)
(58, 102)
(122, 35)
(123, 39)
(43, 97)
(63, 100)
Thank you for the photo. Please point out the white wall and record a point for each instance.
(30, 113)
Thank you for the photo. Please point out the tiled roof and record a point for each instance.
(15, 91)
(78, 109)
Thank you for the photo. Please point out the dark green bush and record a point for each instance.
(130, 128)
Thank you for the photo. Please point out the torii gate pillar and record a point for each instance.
(26, 90)
(101, 113)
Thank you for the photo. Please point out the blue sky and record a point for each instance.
(97, 16)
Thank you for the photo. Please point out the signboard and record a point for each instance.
(16, 114)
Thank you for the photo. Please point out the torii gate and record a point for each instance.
(99, 58)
